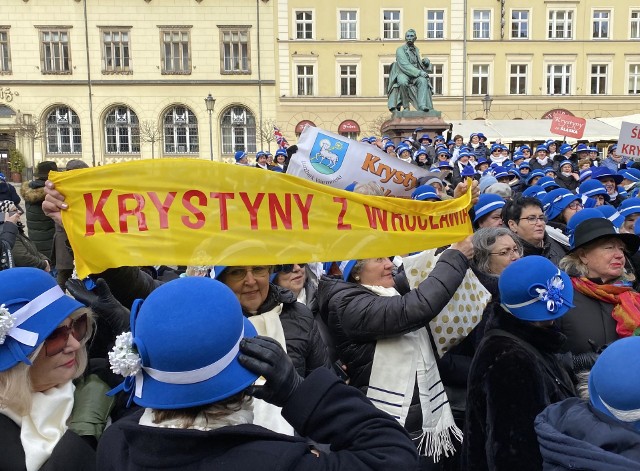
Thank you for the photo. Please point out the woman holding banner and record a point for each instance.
(380, 335)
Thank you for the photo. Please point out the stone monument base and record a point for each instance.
(403, 123)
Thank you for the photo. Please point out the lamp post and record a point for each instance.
(486, 105)
(210, 102)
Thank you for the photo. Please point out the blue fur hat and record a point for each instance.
(486, 204)
(32, 307)
(557, 201)
(239, 155)
(187, 334)
(425, 192)
(614, 382)
(629, 206)
(534, 289)
(611, 214)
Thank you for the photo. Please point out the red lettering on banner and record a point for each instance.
(411, 226)
(95, 213)
(397, 217)
(223, 197)
(186, 202)
(252, 208)
(432, 224)
(163, 207)
(444, 221)
(136, 211)
(341, 225)
(304, 208)
(276, 208)
(375, 215)
(423, 223)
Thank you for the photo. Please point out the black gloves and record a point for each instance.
(102, 302)
(265, 357)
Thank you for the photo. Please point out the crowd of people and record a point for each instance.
(371, 364)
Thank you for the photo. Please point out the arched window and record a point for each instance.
(238, 128)
(180, 131)
(349, 129)
(63, 131)
(122, 131)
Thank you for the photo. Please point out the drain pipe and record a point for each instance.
(86, 41)
(260, 132)
(464, 63)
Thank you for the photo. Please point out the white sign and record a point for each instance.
(629, 140)
(337, 161)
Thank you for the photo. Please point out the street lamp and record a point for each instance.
(210, 102)
(486, 105)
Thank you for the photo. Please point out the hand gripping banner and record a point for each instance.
(197, 212)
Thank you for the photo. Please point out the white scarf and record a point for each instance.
(302, 296)
(398, 362)
(265, 414)
(543, 161)
(42, 429)
(202, 422)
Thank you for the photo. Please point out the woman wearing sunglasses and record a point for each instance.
(42, 349)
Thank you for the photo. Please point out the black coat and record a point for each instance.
(72, 453)
(569, 182)
(550, 249)
(41, 228)
(8, 192)
(508, 388)
(323, 408)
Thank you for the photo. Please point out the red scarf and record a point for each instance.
(626, 301)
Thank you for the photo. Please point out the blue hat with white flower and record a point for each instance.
(487, 203)
(614, 382)
(425, 192)
(32, 306)
(183, 347)
(534, 289)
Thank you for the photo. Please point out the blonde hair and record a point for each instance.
(210, 412)
(15, 383)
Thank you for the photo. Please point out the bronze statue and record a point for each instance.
(409, 78)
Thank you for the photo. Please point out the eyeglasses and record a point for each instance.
(534, 219)
(508, 252)
(287, 268)
(575, 205)
(58, 339)
(240, 273)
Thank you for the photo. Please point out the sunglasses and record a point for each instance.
(288, 268)
(58, 339)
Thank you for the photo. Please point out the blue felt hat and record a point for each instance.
(239, 155)
(481, 161)
(535, 191)
(565, 162)
(524, 165)
(636, 227)
(629, 206)
(439, 137)
(532, 175)
(577, 218)
(346, 267)
(418, 153)
(2, 177)
(443, 150)
(582, 148)
(500, 172)
(260, 153)
(218, 269)
(487, 203)
(542, 147)
(425, 136)
(481, 136)
(614, 382)
(444, 164)
(389, 144)
(351, 186)
(525, 147)
(631, 174)
(517, 156)
(425, 192)
(187, 333)
(466, 153)
(584, 174)
(549, 170)
(557, 201)
(564, 148)
(622, 192)
(372, 139)
(33, 306)
(281, 151)
(592, 188)
(401, 148)
(611, 214)
(547, 183)
(468, 171)
(534, 289)
(603, 172)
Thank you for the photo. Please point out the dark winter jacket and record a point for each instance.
(588, 322)
(25, 252)
(62, 256)
(536, 165)
(8, 192)
(508, 387)
(575, 436)
(8, 232)
(570, 183)
(72, 453)
(41, 228)
(322, 408)
(550, 249)
(304, 344)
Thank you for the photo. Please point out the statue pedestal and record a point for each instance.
(403, 123)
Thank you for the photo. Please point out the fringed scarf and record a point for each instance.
(398, 363)
(626, 301)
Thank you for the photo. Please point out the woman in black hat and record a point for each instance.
(606, 305)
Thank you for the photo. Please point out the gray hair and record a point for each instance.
(369, 188)
(483, 241)
(572, 265)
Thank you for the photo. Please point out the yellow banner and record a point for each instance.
(195, 212)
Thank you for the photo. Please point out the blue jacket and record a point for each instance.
(572, 435)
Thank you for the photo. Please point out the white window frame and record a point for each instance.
(528, 22)
(63, 132)
(356, 23)
(605, 75)
(349, 60)
(383, 62)
(635, 20)
(635, 76)
(609, 22)
(383, 21)
(480, 77)
(482, 21)
(170, 131)
(527, 77)
(312, 22)
(58, 51)
(123, 132)
(5, 52)
(304, 61)
(247, 130)
(443, 23)
(184, 68)
(442, 76)
(569, 75)
(571, 23)
(239, 50)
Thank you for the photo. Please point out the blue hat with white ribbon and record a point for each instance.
(183, 347)
(534, 289)
(584, 174)
(582, 148)
(500, 172)
(425, 192)
(611, 214)
(487, 203)
(564, 148)
(629, 206)
(557, 201)
(32, 306)
(577, 218)
(565, 162)
(239, 155)
(535, 191)
(631, 174)
(468, 171)
(547, 183)
(532, 175)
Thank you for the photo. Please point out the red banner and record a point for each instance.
(569, 126)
